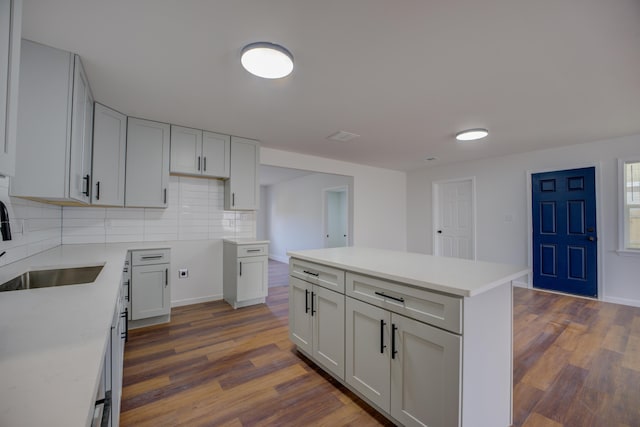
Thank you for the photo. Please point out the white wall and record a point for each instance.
(262, 220)
(501, 189)
(35, 227)
(379, 196)
(295, 211)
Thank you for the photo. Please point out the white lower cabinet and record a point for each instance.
(316, 323)
(149, 291)
(150, 294)
(245, 272)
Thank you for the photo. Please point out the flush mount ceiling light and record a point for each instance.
(267, 60)
(472, 134)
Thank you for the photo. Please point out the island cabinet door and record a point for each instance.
(300, 320)
(328, 329)
(425, 374)
(368, 351)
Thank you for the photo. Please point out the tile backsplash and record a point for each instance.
(35, 227)
(195, 212)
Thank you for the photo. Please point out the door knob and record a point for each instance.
(439, 231)
(591, 239)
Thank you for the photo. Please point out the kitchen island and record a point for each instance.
(426, 340)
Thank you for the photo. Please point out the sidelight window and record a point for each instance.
(630, 205)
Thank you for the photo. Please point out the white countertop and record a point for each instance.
(52, 340)
(245, 241)
(451, 275)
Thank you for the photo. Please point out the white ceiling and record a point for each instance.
(405, 75)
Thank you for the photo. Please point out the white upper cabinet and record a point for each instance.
(241, 189)
(81, 135)
(147, 167)
(10, 29)
(109, 151)
(197, 152)
(216, 154)
(55, 127)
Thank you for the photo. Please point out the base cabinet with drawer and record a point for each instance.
(150, 295)
(420, 356)
(245, 272)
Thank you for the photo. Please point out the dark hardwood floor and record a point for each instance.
(576, 363)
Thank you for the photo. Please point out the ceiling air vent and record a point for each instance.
(342, 136)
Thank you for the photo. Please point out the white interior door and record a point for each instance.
(336, 218)
(454, 218)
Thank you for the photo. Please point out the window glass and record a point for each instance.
(632, 204)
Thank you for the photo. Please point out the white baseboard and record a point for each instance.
(623, 301)
(279, 258)
(189, 301)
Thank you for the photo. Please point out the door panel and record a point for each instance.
(328, 330)
(367, 353)
(564, 231)
(454, 224)
(251, 278)
(300, 320)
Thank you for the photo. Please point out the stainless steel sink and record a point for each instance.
(48, 278)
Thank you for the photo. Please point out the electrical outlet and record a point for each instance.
(183, 273)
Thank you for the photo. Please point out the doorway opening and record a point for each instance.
(336, 217)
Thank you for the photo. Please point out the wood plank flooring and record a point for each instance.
(576, 363)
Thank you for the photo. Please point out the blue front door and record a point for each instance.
(564, 231)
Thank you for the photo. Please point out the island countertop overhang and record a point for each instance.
(464, 278)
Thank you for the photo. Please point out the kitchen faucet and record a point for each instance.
(5, 228)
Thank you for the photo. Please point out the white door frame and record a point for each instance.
(435, 203)
(325, 225)
(599, 219)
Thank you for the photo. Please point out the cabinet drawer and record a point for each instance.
(150, 256)
(252, 250)
(327, 277)
(443, 311)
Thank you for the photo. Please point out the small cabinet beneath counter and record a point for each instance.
(150, 295)
(245, 272)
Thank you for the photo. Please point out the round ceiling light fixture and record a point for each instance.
(472, 134)
(267, 60)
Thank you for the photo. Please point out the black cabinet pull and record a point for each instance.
(126, 325)
(146, 257)
(313, 309)
(240, 268)
(198, 162)
(312, 274)
(98, 190)
(394, 328)
(382, 294)
(128, 296)
(125, 316)
(233, 199)
(254, 250)
(204, 162)
(166, 277)
(165, 196)
(382, 345)
(306, 301)
(87, 185)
